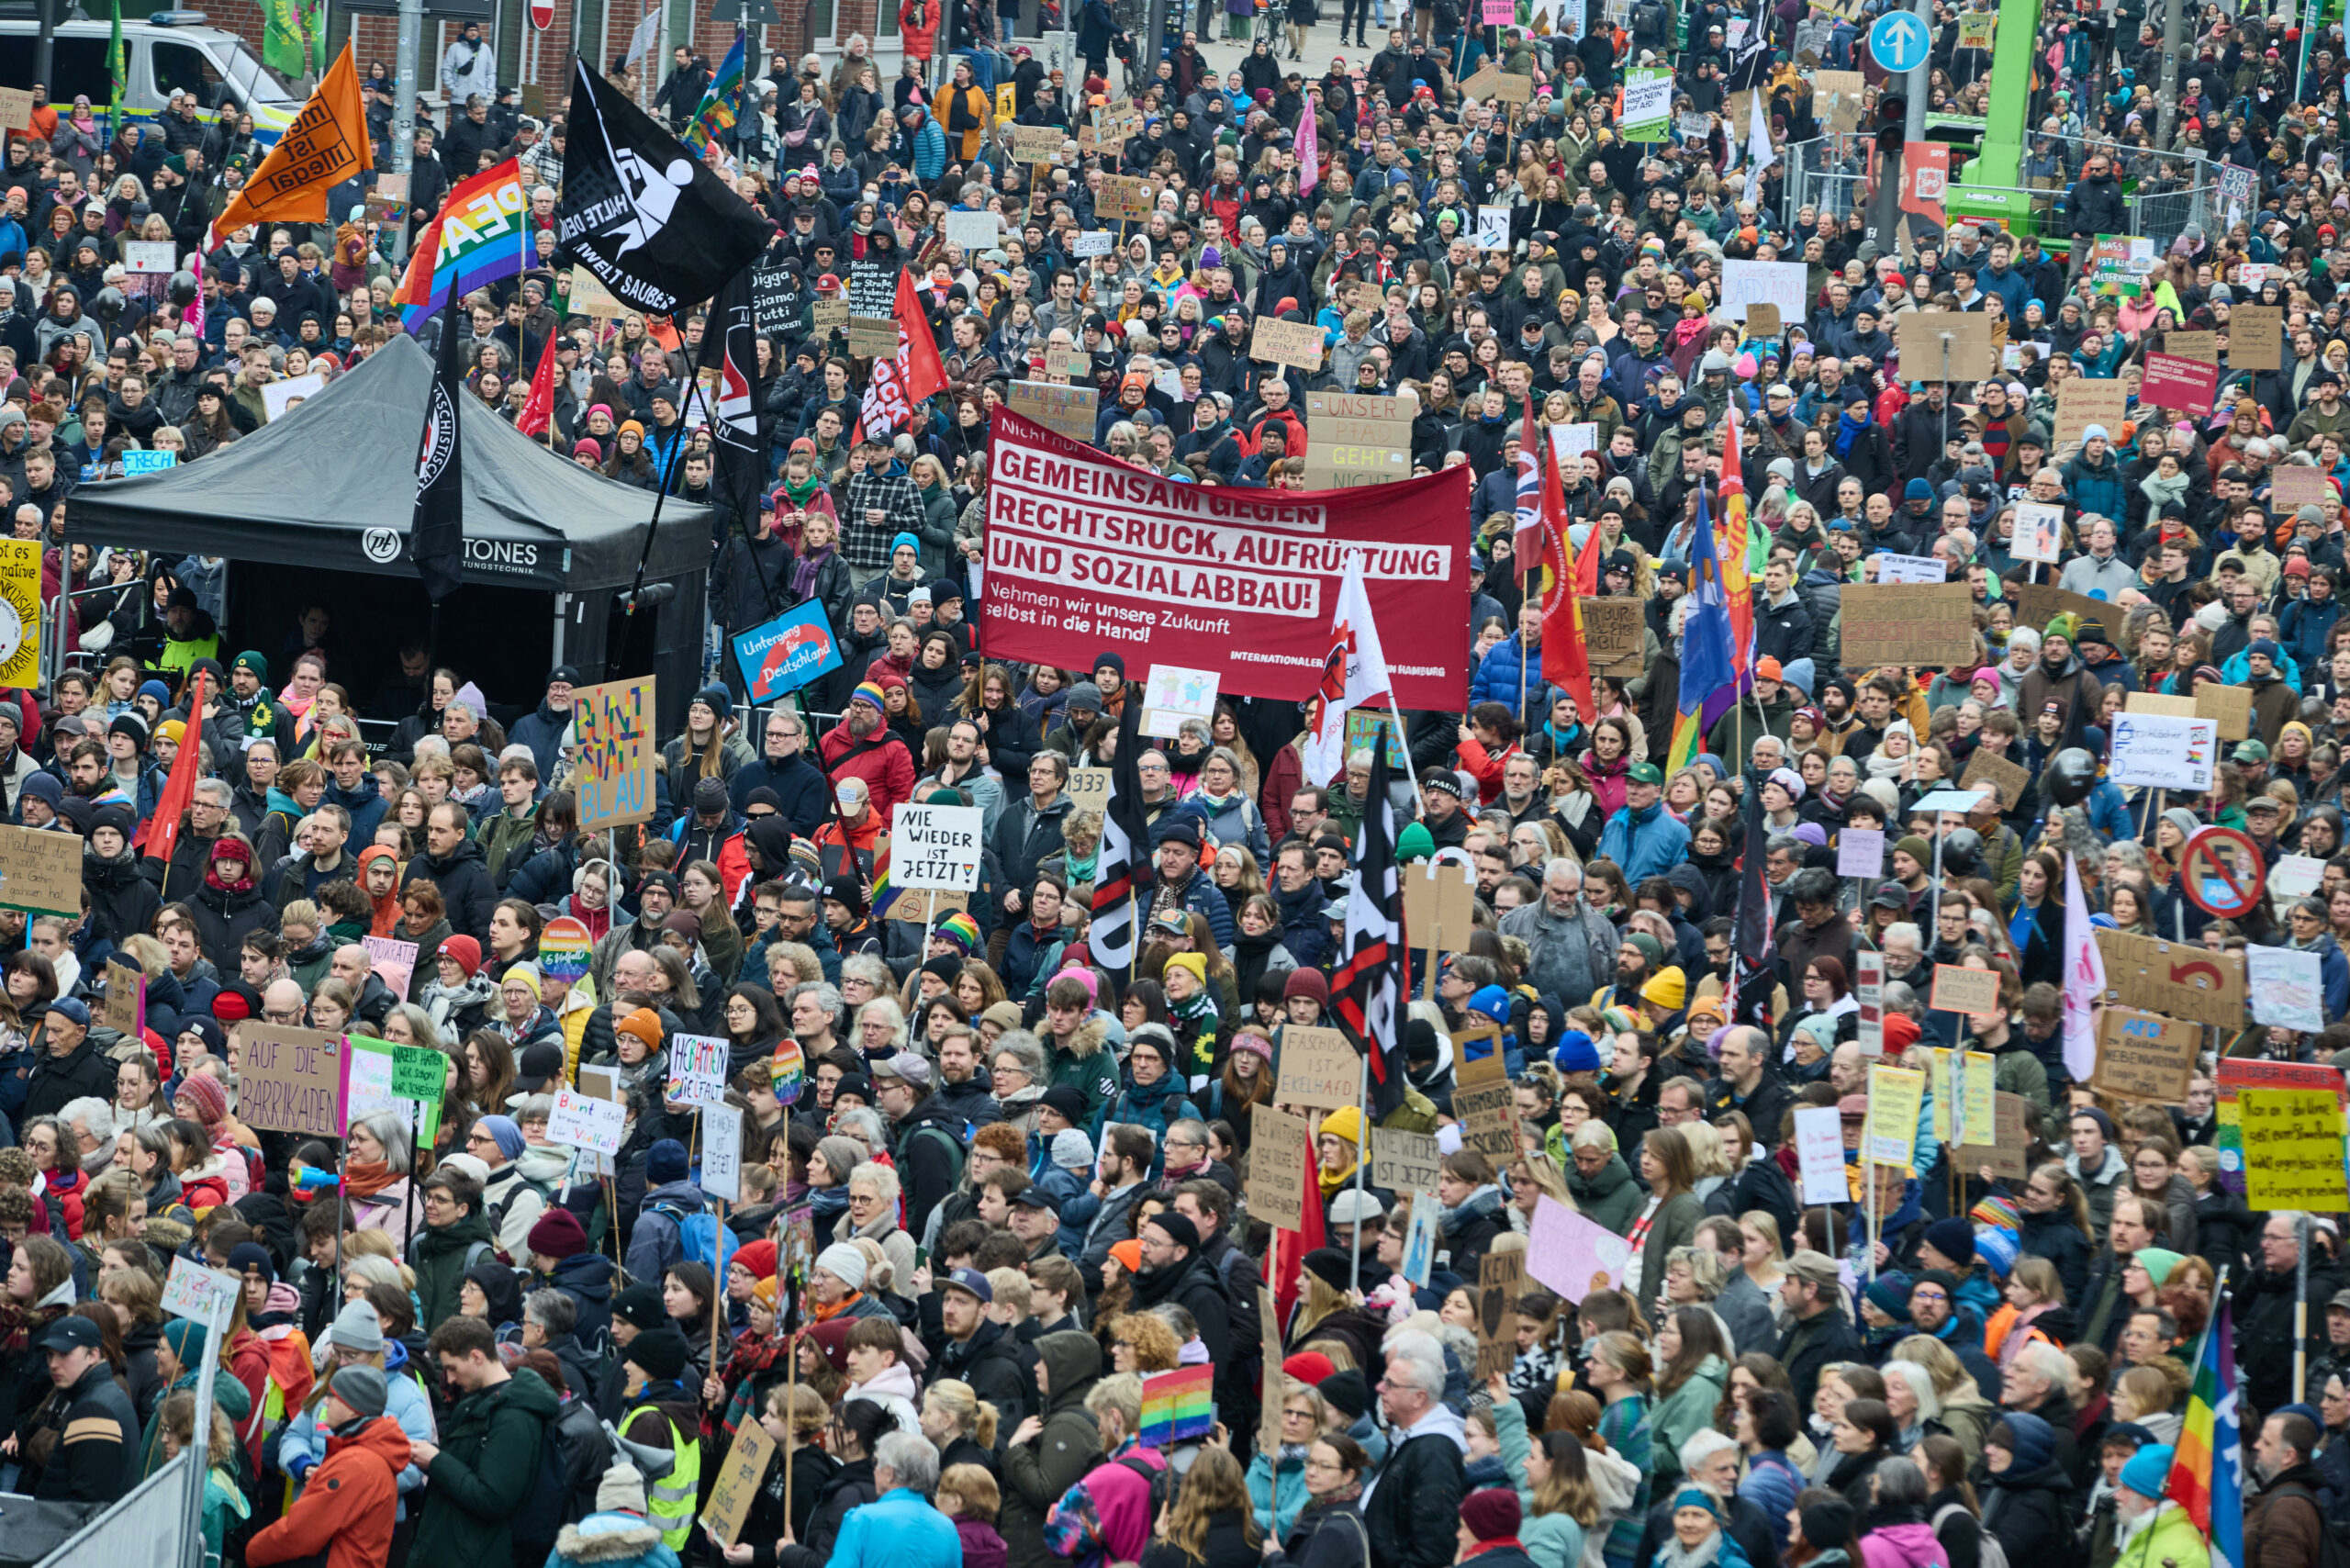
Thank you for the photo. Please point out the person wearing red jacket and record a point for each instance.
(918, 27)
(347, 1506)
(861, 748)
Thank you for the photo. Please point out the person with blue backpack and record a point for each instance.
(676, 1224)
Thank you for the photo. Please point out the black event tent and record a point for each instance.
(332, 485)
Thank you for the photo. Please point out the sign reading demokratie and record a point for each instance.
(1085, 551)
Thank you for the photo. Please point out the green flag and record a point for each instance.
(113, 69)
(287, 30)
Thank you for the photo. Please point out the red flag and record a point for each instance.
(161, 833)
(1291, 1246)
(917, 350)
(1566, 655)
(538, 412)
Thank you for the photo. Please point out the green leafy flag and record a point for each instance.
(288, 28)
(113, 69)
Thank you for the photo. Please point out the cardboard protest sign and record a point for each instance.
(289, 1080)
(2004, 1150)
(2144, 1056)
(1403, 1162)
(1088, 787)
(1501, 1279)
(2160, 702)
(1486, 1107)
(2039, 603)
(1127, 198)
(738, 1480)
(1908, 624)
(2229, 706)
(2201, 346)
(1944, 345)
(2256, 337)
(1295, 343)
(40, 873)
(1319, 1069)
(1036, 143)
(1836, 99)
(1439, 906)
(1068, 411)
(1614, 635)
(828, 315)
(2292, 485)
(125, 1008)
(2176, 980)
(1960, 989)
(2082, 402)
(1268, 1320)
(1280, 1152)
(1986, 771)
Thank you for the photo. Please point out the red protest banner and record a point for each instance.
(2175, 382)
(1085, 552)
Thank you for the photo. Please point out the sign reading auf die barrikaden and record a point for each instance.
(2293, 1149)
(935, 846)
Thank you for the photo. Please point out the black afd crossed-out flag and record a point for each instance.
(437, 533)
(1123, 874)
(642, 212)
(1366, 988)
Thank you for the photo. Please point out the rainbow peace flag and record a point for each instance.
(479, 237)
(789, 1068)
(716, 113)
(884, 895)
(2207, 1473)
(1177, 1406)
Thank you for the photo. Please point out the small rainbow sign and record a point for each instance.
(791, 1069)
(564, 947)
(1177, 1406)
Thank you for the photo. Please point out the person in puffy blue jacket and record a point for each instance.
(1513, 661)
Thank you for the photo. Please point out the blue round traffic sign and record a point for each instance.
(1899, 41)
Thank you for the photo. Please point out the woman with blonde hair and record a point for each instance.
(1306, 1416)
(1210, 1525)
(1141, 1342)
(959, 1424)
(1618, 1371)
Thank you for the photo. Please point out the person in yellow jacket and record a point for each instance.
(2150, 1531)
(964, 112)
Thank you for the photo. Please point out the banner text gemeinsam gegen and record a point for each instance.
(1086, 555)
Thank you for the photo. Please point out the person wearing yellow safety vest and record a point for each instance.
(661, 1427)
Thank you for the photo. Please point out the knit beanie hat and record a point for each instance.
(844, 1263)
(621, 1491)
(961, 930)
(2158, 1262)
(360, 1386)
(203, 1091)
(1491, 1514)
(2147, 1471)
(1953, 1238)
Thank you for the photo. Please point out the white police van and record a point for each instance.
(168, 52)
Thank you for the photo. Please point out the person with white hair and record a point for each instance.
(1414, 1505)
(900, 1528)
(1915, 1403)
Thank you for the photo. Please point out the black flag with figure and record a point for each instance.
(1123, 870)
(1749, 62)
(1366, 988)
(436, 535)
(734, 394)
(1753, 947)
(642, 212)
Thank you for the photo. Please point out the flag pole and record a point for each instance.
(1362, 1158)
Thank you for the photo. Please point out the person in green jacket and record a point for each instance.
(487, 1458)
(1553, 1484)
(455, 1237)
(2154, 1531)
(1601, 1183)
(1690, 1382)
(178, 1353)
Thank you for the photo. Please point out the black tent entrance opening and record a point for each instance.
(314, 507)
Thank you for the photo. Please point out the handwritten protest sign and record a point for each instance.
(1318, 1069)
(696, 1071)
(1908, 623)
(1403, 1162)
(612, 775)
(586, 1122)
(40, 872)
(2293, 1149)
(1280, 1151)
(289, 1080)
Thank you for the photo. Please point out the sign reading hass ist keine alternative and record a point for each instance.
(1085, 551)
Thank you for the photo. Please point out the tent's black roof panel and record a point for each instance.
(332, 485)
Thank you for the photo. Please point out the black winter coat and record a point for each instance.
(463, 878)
(123, 902)
(851, 1487)
(224, 919)
(1225, 1546)
(989, 1361)
(1415, 1512)
(2028, 1513)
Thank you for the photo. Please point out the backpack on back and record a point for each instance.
(701, 1239)
(1992, 1554)
(545, 1508)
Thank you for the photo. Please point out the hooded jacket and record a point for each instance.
(488, 1459)
(346, 1508)
(1036, 1474)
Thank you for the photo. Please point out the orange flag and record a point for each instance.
(325, 145)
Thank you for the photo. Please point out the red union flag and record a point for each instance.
(1086, 553)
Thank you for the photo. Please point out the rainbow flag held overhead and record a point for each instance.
(479, 236)
(1708, 660)
(2207, 1473)
(718, 108)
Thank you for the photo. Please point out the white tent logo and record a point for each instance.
(381, 545)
